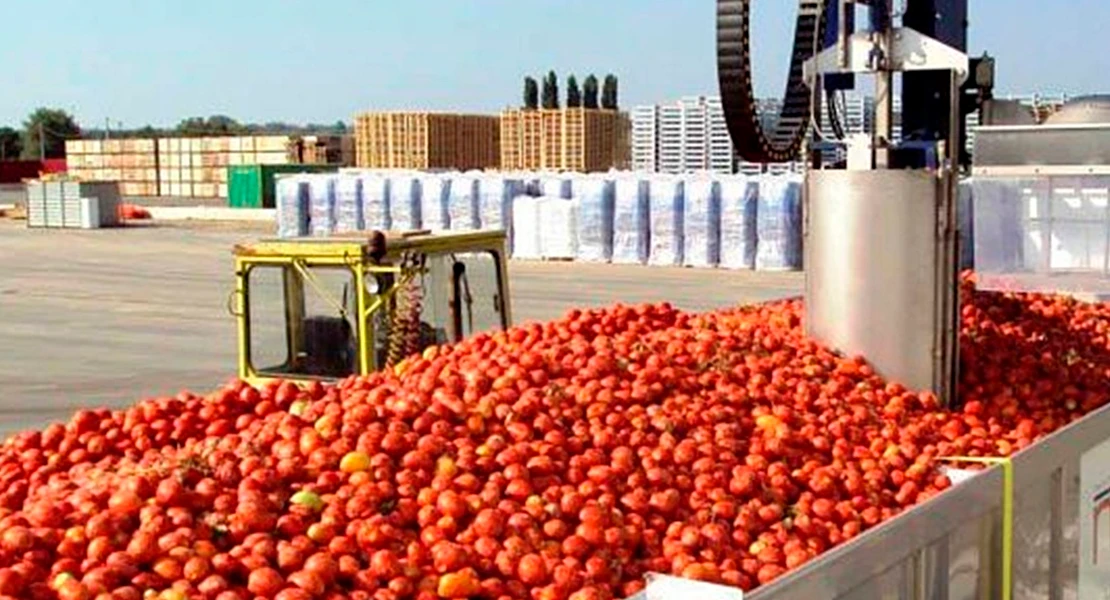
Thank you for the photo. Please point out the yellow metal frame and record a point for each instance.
(1007, 584)
(354, 252)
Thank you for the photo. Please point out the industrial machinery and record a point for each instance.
(1043, 191)
(881, 276)
(881, 244)
(319, 309)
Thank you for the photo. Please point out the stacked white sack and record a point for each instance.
(666, 213)
(435, 191)
(462, 203)
(555, 186)
(594, 221)
(321, 204)
(558, 228)
(292, 206)
(630, 221)
(526, 227)
(375, 201)
(739, 199)
(348, 204)
(779, 223)
(495, 204)
(404, 202)
(701, 223)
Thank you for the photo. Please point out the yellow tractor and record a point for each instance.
(327, 308)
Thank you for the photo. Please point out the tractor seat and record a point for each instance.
(328, 343)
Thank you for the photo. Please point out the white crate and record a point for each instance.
(72, 204)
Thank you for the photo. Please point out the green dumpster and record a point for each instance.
(252, 186)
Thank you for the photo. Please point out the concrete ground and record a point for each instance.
(105, 317)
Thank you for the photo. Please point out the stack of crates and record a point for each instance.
(68, 203)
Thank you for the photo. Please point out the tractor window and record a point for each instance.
(416, 317)
(269, 337)
(302, 320)
(475, 292)
(330, 333)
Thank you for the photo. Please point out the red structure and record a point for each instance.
(54, 165)
(14, 171)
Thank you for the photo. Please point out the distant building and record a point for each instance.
(688, 135)
(645, 138)
(691, 134)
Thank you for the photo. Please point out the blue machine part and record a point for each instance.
(916, 154)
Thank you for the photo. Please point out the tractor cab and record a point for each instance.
(327, 308)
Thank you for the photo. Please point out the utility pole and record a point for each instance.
(42, 143)
(107, 128)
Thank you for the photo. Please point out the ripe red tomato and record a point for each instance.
(554, 461)
(265, 582)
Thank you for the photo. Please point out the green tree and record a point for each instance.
(609, 92)
(213, 125)
(574, 95)
(551, 90)
(45, 133)
(531, 93)
(224, 125)
(192, 126)
(339, 128)
(272, 127)
(589, 92)
(10, 144)
(145, 132)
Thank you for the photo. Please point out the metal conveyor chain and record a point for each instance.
(734, 75)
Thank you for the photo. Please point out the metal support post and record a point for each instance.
(884, 97)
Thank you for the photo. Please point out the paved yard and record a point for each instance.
(94, 318)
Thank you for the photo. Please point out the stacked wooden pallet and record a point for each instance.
(425, 140)
(131, 162)
(521, 139)
(324, 150)
(197, 167)
(568, 139)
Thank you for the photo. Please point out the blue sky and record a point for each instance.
(158, 61)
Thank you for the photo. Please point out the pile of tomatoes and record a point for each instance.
(556, 461)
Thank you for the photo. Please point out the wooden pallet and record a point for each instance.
(424, 140)
(567, 139)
